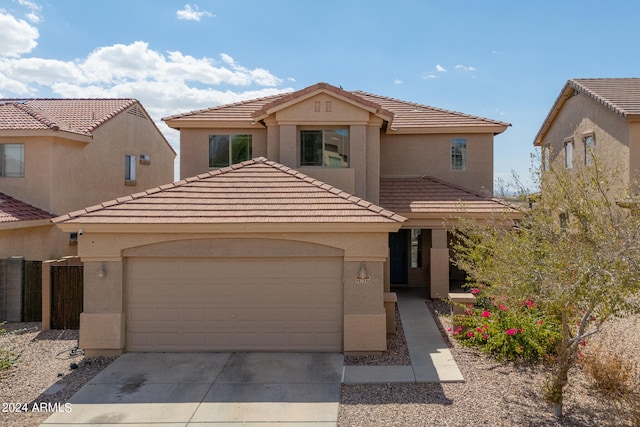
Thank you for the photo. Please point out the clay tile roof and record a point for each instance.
(14, 210)
(620, 95)
(255, 191)
(80, 116)
(428, 195)
(402, 115)
(409, 115)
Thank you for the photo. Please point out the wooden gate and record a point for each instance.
(32, 292)
(66, 296)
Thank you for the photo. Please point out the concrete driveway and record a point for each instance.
(187, 389)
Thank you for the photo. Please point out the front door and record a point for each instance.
(398, 248)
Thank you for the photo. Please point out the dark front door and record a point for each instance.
(398, 248)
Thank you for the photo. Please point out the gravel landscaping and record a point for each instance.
(493, 394)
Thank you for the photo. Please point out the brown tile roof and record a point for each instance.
(402, 115)
(14, 210)
(427, 195)
(79, 116)
(409, 115)
(255, 191)
(620, 95)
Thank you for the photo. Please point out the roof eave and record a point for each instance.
(15, 225)
(456, 129)
(186, 123)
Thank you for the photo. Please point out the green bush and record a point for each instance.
(522, 332)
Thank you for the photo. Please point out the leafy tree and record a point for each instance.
(575, 252)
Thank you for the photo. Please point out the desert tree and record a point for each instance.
(576, 252)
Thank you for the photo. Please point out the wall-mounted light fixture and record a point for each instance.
(102, 271)
(362, 272)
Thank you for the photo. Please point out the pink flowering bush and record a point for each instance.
(508, 332)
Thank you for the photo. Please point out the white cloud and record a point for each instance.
(440, 68)
(398, 82)
(192, 13)
(17, 36)
(428, 76)
(464, 68)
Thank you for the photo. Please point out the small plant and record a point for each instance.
(7, 358)
(512, 333)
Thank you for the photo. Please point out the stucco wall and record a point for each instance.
(430, 155)
(86, 174)
(364, 315)
(580, 116)
(36, 243)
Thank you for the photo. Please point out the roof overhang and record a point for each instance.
(495, 130)
(186, 123)
(47, 133)
(18, 225)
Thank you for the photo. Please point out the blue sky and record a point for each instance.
(506, 60)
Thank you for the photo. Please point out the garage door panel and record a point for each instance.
(241, 304)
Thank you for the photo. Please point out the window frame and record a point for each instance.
(568, 154)
(461, 155)
(324, 132)
(589, 148)
(231, 138)
(4, 158)
(129, 169)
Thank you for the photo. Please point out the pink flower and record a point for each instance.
(486, 313)
(485, 336)
(583, 343)
(520, 330)
(511, 331)
(458, 330)
(503, 307)
(475, 291)
(479, 329)
(470, 334)
(540, 322)
(450, 329)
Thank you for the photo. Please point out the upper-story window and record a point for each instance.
(568, 153)
(129, 169)
(325, 147)
(12, 160)
(225, 150)
(458, 154)
(589, 146)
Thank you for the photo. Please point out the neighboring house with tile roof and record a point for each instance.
(294, 216)
(594, 117)
(59, 155)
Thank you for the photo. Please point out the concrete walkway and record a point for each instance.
(431, 360)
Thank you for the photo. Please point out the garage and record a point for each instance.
(234, 304)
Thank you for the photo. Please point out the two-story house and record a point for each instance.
(60, 155)
(595, 117)
(294, 215)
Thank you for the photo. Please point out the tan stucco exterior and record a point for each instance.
(65, 172)
(103, 322)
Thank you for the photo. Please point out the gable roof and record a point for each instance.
(402, 116)
(255, 191)
(77, 116)
(620, 95)
(427, 195)
(14, 210)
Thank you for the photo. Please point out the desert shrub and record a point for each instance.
(506, 332)
(7, 358)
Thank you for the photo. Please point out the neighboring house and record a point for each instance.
(598, 117)
(294, 216)
(59, 155)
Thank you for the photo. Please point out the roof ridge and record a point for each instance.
(442, 110)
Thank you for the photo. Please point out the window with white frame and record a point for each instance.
(589, 147)
(458, 154)
(12, 160)
(568, 153)
(129, 168)
(324, 147)
(225, 150)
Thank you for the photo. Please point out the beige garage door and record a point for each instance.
(259, 304)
